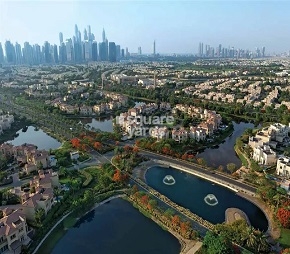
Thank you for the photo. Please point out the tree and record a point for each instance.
(39, 215)
(216, 244)
(117, 177)
(220, 168)
(98, 145)
(283, 215)
(231, 167)
(201, 161)
(152, 204)
(175, 220)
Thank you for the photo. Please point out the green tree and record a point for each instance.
(216, 244)
(39, 215)
(231, 167)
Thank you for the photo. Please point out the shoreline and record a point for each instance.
(273, 230)
(35, 251)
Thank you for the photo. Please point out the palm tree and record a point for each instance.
(262, 244)
(277, 198)
(251, 239)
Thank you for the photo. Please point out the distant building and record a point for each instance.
(112, 52)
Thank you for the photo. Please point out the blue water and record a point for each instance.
(117, 228)
(38, 138)
(225, 152)
(189, 191)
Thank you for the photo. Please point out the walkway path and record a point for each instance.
(273, 229)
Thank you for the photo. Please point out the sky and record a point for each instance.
(177, 25)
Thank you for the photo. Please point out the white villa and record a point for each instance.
(160, 133)
(283, 166)
(264, 155)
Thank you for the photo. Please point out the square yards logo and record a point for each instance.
(139, 125)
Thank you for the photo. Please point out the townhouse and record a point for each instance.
(283, 167)
(13, 231)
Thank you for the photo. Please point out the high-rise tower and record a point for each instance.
(154, 48)
(112, 52)
(60, 38)
(104, 35)
(1, 54)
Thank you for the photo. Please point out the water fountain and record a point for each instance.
(169, 180)
(211, 200)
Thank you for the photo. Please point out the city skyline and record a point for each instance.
(177, 27)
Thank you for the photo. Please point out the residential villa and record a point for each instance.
(264, 155)
(13, 231)
(160, 133)
(179, 135)
(43, 197)
(283, 167)
(28, 155)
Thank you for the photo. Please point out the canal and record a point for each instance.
(225, 153)
(206, 199)
(117, 227)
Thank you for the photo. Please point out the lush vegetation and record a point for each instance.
(92, 185)
(168, 218)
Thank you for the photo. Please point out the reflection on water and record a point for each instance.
(190, 191)
(98, 123)
(225, 153)
(116, 227)
(35, 136)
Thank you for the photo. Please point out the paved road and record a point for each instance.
(185, 164)
(16, 182)
(182, 163)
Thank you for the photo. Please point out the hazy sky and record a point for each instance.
(177, 26)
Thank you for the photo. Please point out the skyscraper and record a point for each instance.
(102, 51)
(104, 35)
(139, 51)
(60, 38)
(87, 50)
(90, 33)
(94, 51)
(36, 54)
(62, 53)
(86, 38)
(112, 52)
(1, 54)
(118, 52)
(76, 32)
(69, 50)
(10, 52)
(154, 48)
(27, 53)
(47, 55)
(55, 54)
(18, 53)
(200, 49)
(263, 51)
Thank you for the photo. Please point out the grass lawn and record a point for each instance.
(284, 240)
(52, 240)
(57, 234)
(69, 222)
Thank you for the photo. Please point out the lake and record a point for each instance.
(35, 137)
(116, 227)
(190, 192)
(98, 123)
(225, 153)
